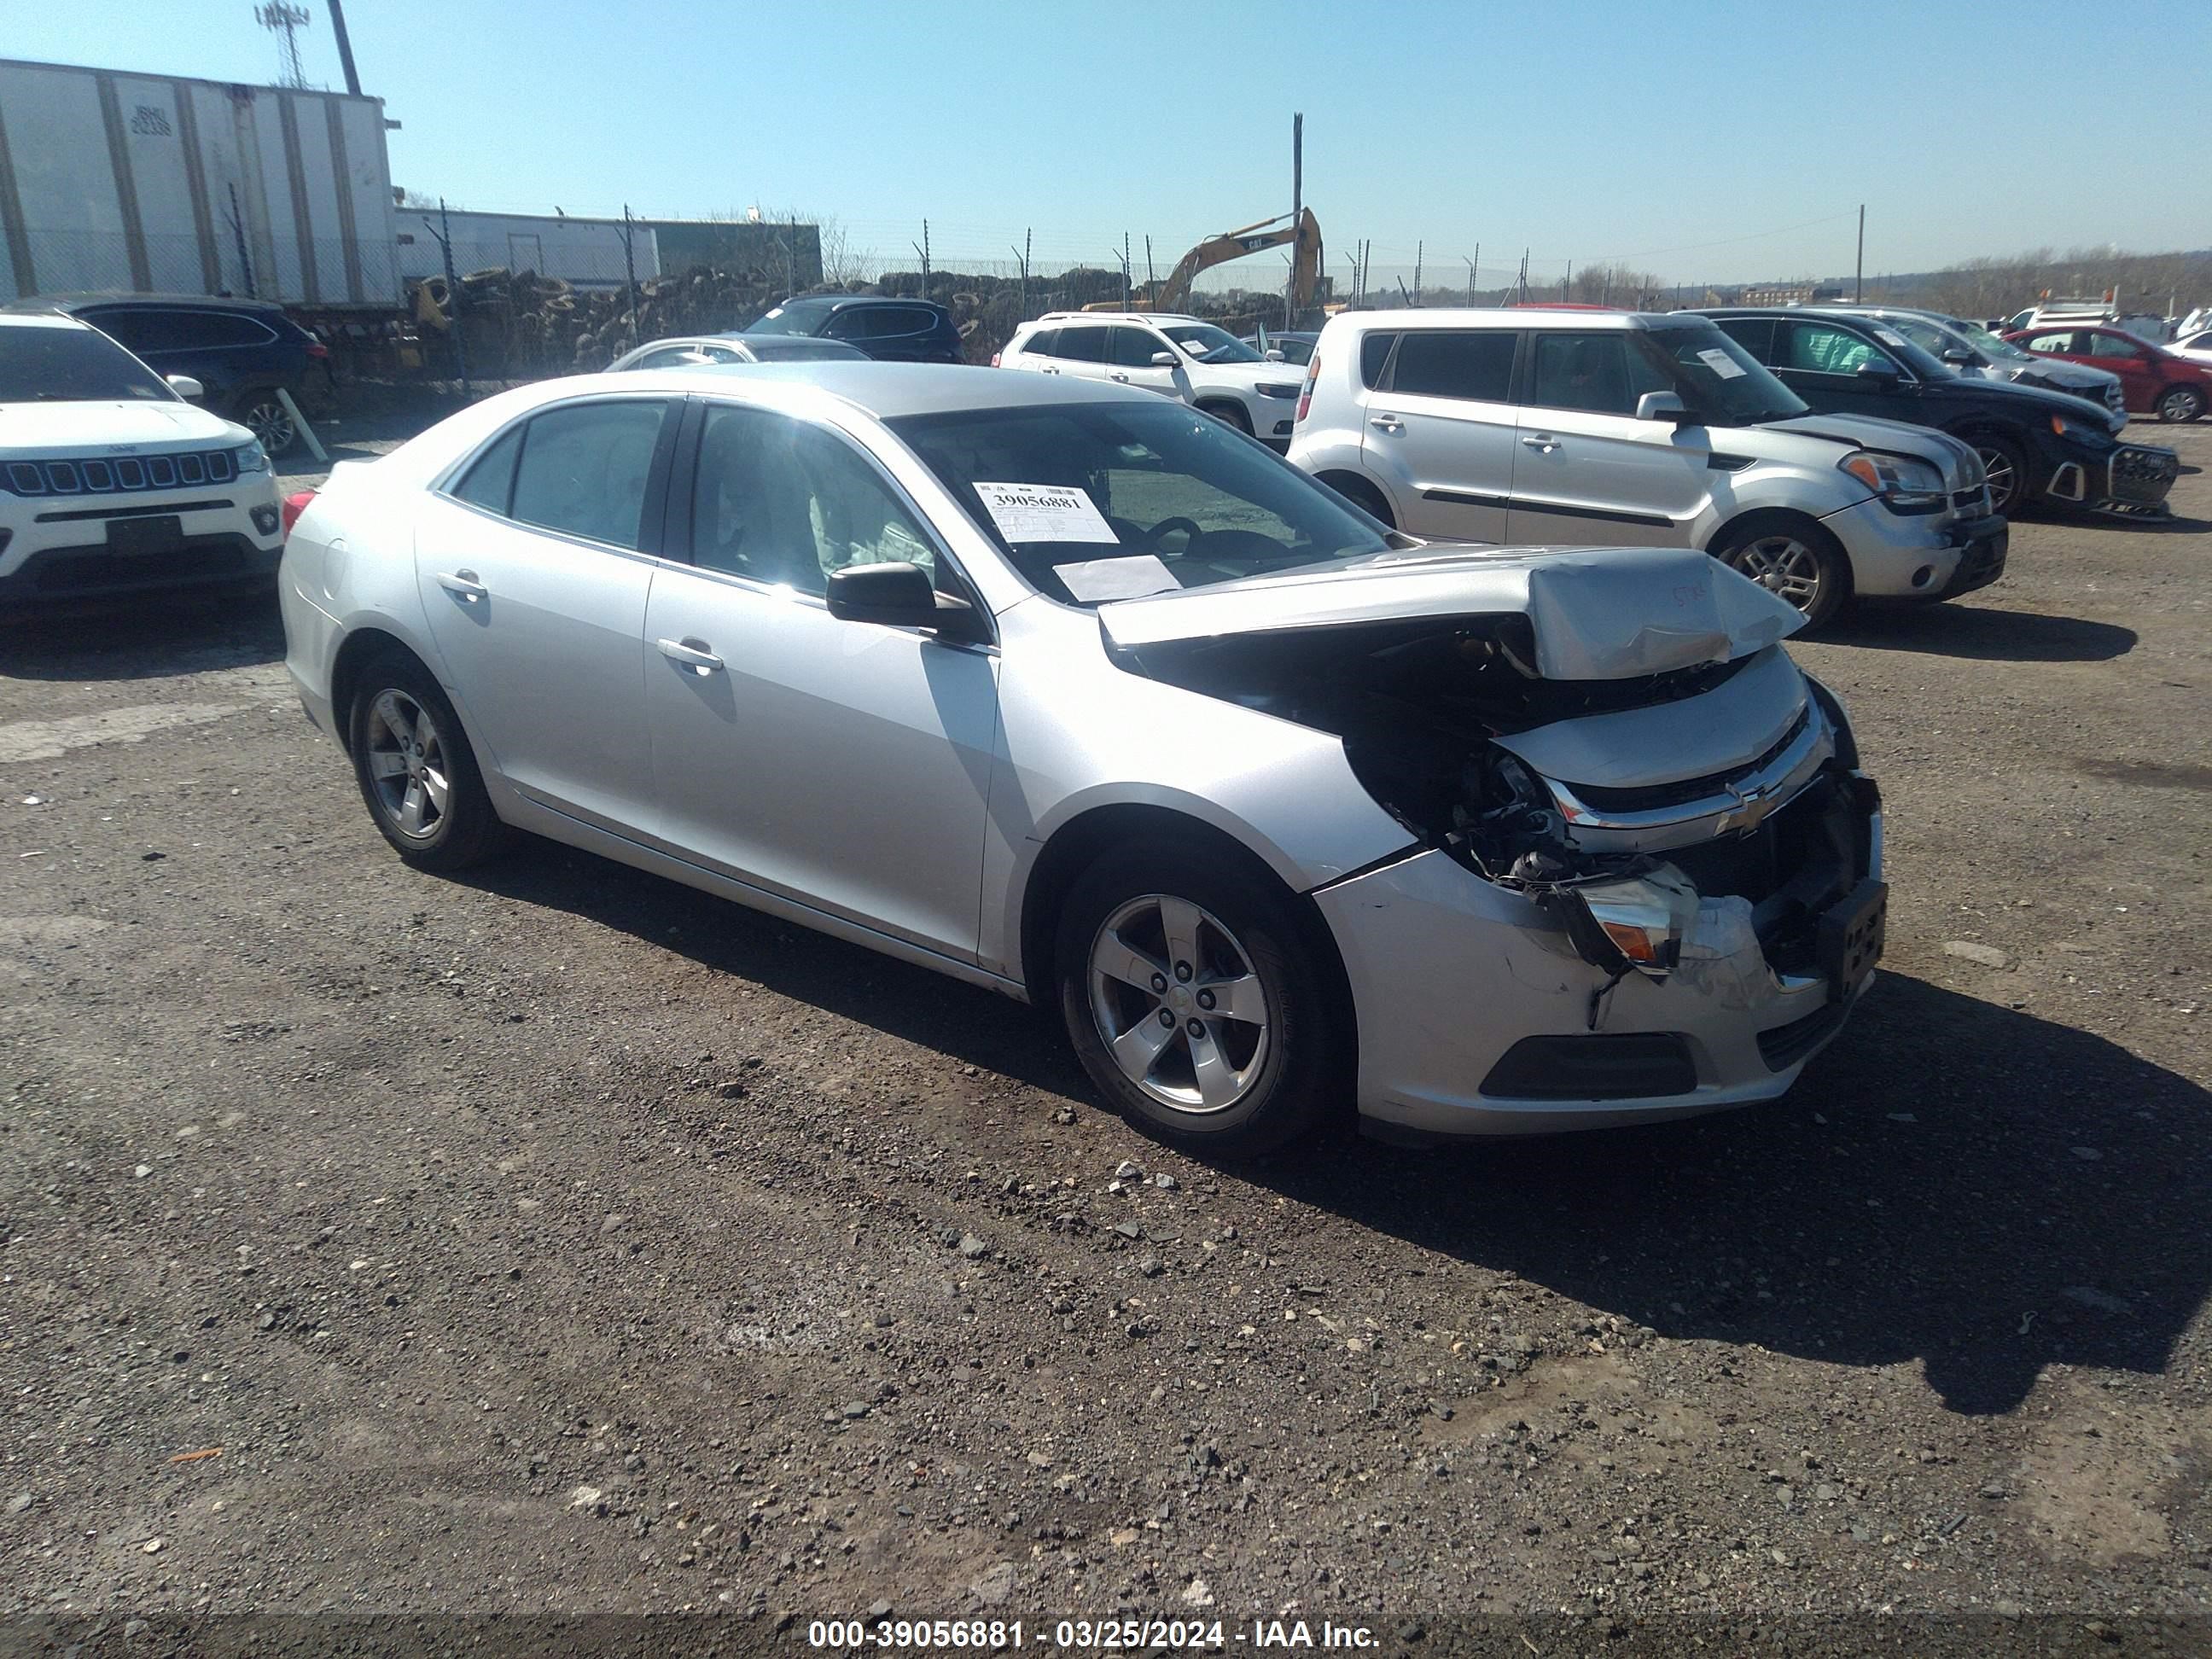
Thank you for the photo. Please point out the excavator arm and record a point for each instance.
(1302, 233)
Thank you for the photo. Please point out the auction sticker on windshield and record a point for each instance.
(1720, 363)
(1044, 513)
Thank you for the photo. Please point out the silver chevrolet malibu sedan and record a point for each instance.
(1072, 692)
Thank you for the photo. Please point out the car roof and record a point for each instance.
(851, 301)
(883, 390)
(12, 319)
(1509, 317)
(1117, 317)
(73, 302)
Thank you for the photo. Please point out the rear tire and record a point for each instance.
(268, 419)
(2179, 404)
(1364, 496)
(1194, 1000)
(1794, 559)
(417, 774)
(1229, 415)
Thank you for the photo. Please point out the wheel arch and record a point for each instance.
(360, 648)
(1753, 518)
(1076, 844)
(1362, 491)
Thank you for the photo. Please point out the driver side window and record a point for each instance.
(785, 503)
(2113, 345)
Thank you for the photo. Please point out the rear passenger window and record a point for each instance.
(1592, 372)
(2049, 342)
(1459, 364)
(489, 483)
(583, 470)
(1373, 354)
(1083, 345)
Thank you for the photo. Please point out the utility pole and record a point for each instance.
(629, 275)
(1567, 281)
(1152, 282)
(1125, 270)
(1297, 214)
(345, 46)
(1858, 271)
(1022, 253)
(1473, 270)
(285, 20)
(922, 248)
(1418, 248)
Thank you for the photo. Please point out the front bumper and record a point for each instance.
(1982, 544)
(66, 574)
(1475, 1011)
(1897, 556)
(2133, 480)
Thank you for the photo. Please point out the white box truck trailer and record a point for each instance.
(159, 183)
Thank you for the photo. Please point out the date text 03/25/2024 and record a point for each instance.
(935, 1635)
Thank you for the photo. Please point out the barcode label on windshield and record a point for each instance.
(1044, 513)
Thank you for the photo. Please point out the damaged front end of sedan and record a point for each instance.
(1667, 819)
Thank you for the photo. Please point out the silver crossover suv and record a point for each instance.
(1574, 425)
(1071, 691)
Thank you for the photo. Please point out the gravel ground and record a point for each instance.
(561, 1240)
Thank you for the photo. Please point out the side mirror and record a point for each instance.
(1273, 354)
(1163, 359)
(1880, 373)
(1960, 357)
(1663, 406)
(185, 386)
(896, 594)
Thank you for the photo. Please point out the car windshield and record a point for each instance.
(1988, 344)
(1717, 377)
(40, 364)
(1098, 501)
(1210, 344)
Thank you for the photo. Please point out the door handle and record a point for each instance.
(1386, 423)
(692, 653)
(464, 583)
(1543, 442)
(1118, 375)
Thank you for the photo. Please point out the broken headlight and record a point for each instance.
(1904, 485)
(1633, 924)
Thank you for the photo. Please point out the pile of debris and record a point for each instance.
(512, 321)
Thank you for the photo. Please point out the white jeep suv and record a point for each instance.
(1622, 428)
(1206, 367)
(110, 483)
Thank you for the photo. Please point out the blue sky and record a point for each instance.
(1707, 142)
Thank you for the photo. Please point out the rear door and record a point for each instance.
(1082, 350)
(532, 575)
(1587, 471)
(1440, 429)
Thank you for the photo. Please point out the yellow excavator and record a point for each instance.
(1302, 232)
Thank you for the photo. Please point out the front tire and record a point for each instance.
(2179, 404)
(2006, 468)
(416, 772)
(1193, 1001)
(268, 419)
(1229, 415)
(1793, 559)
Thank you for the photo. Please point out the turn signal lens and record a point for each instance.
(1305, 397)
(1637, 943)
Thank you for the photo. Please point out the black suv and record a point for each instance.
(897, 331)
(2039, 448)
(242, 352)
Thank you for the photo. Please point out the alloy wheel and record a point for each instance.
(266, 419)
(2003, 479)
(1178, 1004)
(407, 765)
(1784, 565)
(2180, 404)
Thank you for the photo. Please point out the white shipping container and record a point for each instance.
(159, 183)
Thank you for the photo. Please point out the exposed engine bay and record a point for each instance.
(1430, 711)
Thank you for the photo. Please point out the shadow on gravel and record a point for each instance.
(970, 1024)
(1956, 630)
(145, 636)
(2047, 1201)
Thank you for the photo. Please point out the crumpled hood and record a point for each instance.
(42, 431)
(1598, 613)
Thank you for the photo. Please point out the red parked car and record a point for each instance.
(2156, 381)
